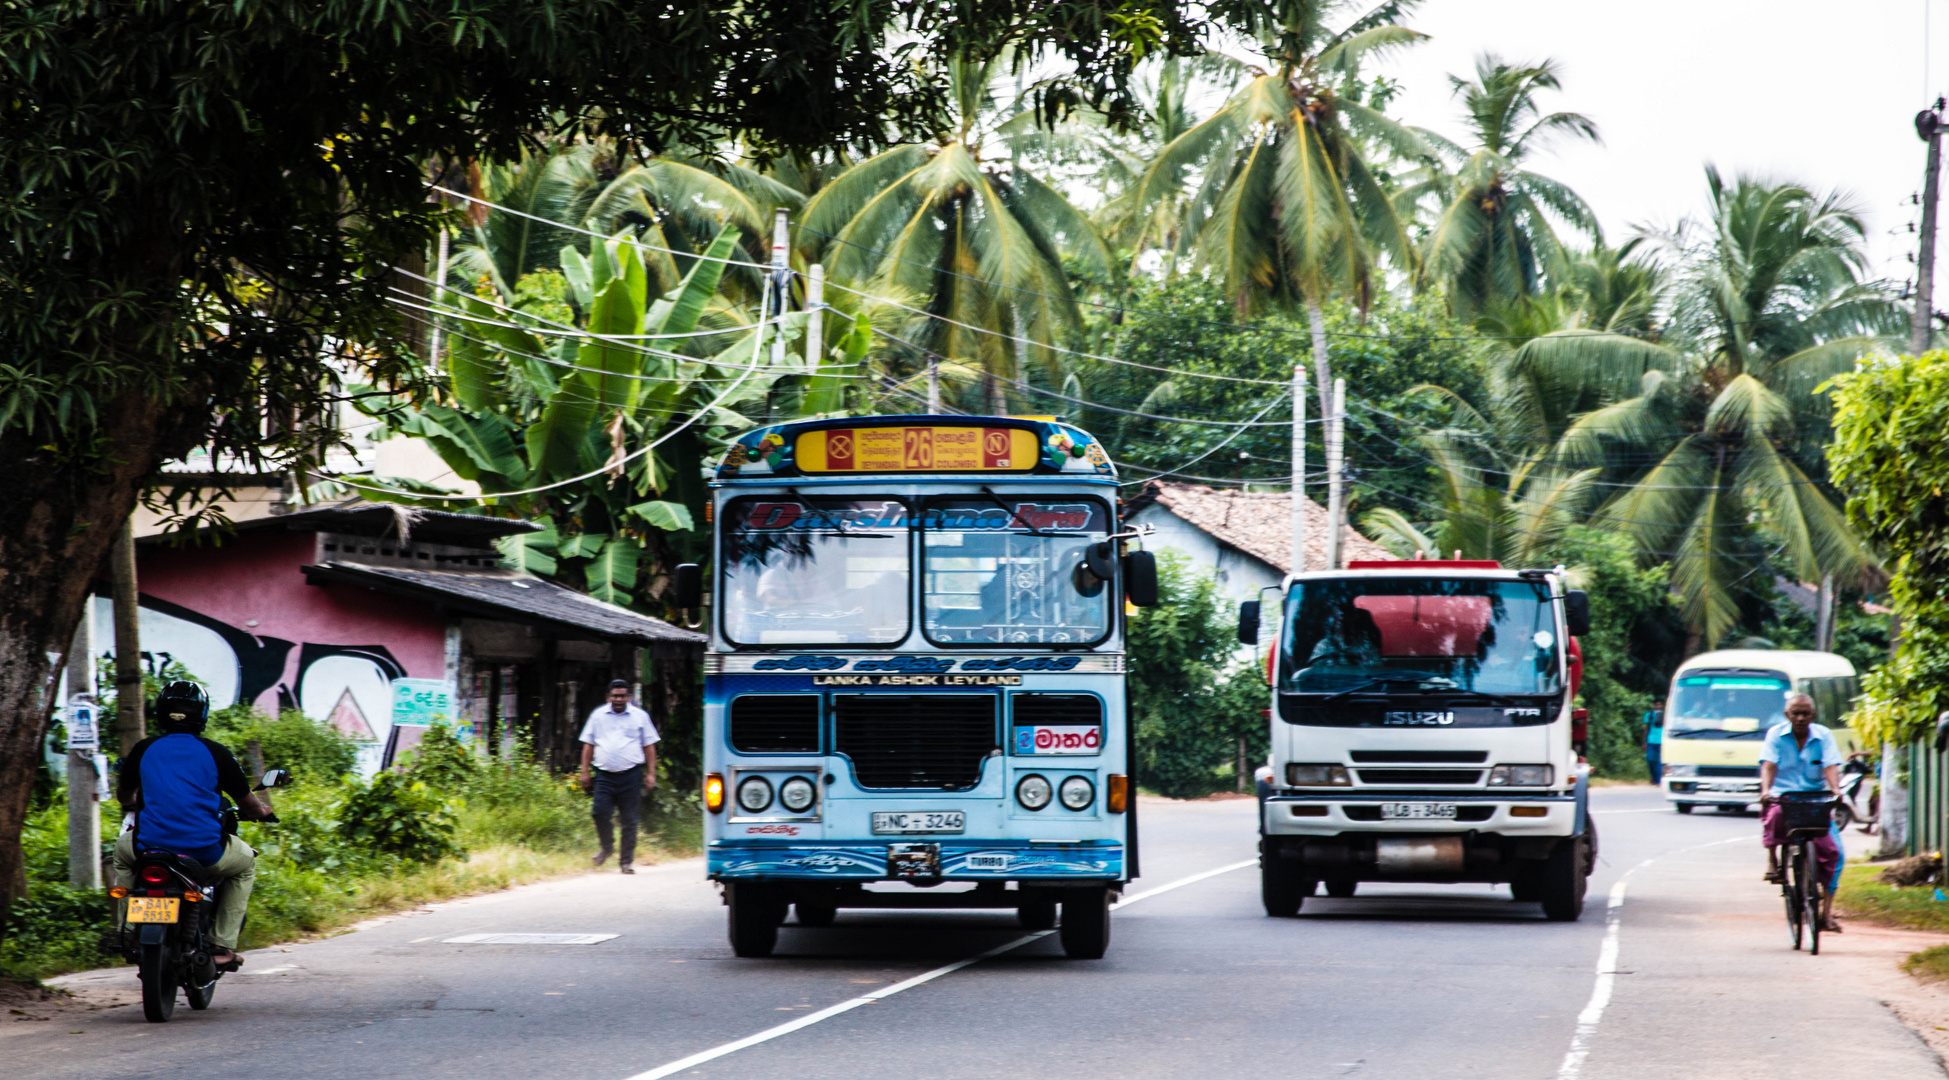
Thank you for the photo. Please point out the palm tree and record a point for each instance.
(957, 222)
(1726, 431)
(1493, 241)
(1297, 210)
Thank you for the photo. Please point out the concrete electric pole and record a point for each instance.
(84, 737)
(1928, 125)
(1299, 470)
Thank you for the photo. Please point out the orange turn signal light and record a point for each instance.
(118, 892)
(1529, 811)
(191, 897)
(714, 793)
(1117, 798)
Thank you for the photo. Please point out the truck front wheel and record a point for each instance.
(1564, 879)
(1282, 889)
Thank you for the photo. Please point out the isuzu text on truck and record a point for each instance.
(1422, 730)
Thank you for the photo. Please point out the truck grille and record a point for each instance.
(932, 743)
(1729, 770)
(1419, 757)
(1420, 776)
(1033, 710)
(775, 724)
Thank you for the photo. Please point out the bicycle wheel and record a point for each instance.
(1791, 891)
(1811, 866)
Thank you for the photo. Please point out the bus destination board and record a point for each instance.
(917, 448)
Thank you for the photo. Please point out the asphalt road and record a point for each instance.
(1400, 981)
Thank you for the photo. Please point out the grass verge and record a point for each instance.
(1910, 908)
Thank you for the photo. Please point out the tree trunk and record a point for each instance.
(65, 510)
(1322, 375)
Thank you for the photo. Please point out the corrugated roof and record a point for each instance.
(357, 517)
(511, 596)
(1258, 523)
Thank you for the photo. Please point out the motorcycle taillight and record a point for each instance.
(154, 875)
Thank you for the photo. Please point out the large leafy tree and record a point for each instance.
(202, 203)
(957, 222)
(1725, 429)
(1492, 240)
(1298, 211)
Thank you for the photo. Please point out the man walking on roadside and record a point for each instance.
(620, 742)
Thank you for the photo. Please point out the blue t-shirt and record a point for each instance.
(182, 779)
(1800, 768)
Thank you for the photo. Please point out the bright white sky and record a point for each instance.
(1820, 93)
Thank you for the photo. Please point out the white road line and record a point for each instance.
(1600, 994)
(831, 1011)
(1649, 810)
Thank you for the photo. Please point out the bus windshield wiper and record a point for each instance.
(1391, 680)
(1015, 515)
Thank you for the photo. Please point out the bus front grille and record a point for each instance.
(775, 724)
(930, 743)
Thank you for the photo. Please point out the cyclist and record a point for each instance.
(174, 783)
(1800, 755)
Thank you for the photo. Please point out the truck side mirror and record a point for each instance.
(687, 585)
(1140, 578)
(1248, 623)
(1576, 612)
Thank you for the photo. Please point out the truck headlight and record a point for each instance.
(1076, 792)
(754, 794)
(1681, 770)
(797, 794)
(1298, 775)
(1522, 775)
(1033, 792)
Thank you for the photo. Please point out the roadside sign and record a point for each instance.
(82, 732)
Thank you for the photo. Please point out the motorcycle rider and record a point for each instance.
(174, 785)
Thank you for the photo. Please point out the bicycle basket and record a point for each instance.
(1806, 816)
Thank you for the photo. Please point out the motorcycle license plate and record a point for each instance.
(1395, 811)
(153, 909)
(911, 822)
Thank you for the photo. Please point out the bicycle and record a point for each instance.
(1804, 817)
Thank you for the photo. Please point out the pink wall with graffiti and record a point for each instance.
(243, 620)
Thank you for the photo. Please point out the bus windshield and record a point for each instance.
(811, 571)
(1404, 634)
(999, 570)
(1724, 705)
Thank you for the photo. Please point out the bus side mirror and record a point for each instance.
(687, 585)
(1140, 578)
(1576, 612)
(1248, 623)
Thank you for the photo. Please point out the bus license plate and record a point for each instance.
(917, 822)
(153, 909)
(1411, 810)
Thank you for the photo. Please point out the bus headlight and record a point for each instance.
(1033, 792)
(754, 794)
(1522, 775)
(1076, 792)
(1298, 775)
(797, 794)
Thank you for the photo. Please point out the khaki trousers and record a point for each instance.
(237, 871)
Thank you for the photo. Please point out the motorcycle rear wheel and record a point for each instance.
(157, 969)
(199, 997)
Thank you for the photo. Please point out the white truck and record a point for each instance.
(1423, 729)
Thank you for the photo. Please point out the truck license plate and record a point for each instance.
(1395, 811)
(918, 822)
(153, 909)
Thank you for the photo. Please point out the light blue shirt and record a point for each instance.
(1800, 767)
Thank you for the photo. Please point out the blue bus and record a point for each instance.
(914, 689)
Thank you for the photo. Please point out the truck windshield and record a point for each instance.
(1725, 705)
(999, 570)
(810, 571)
(1403, 635)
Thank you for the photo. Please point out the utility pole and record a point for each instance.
(1299, 469)
(1336, 453)
(815, 319)
(781, 280)
(1928, 125)
(128, 640)
(84, 737)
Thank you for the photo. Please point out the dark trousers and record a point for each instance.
(619, 793)
(1652, 753)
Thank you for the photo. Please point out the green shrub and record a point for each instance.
(521, 802)
(308, 749)
(398, 816)
(1189, 705)
(441, 761)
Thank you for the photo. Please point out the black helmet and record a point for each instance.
(182, 707)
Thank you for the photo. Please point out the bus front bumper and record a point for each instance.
(960, 859)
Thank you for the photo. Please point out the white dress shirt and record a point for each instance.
(619, 737)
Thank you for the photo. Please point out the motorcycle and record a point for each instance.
(1860, 802)
(172, 911)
